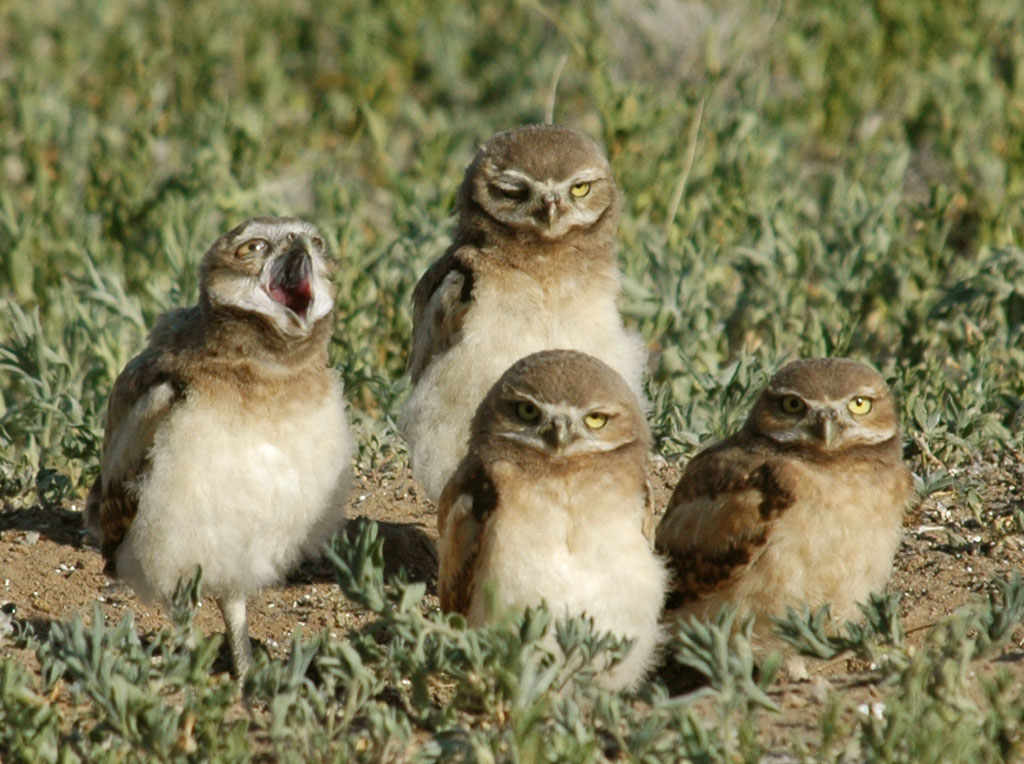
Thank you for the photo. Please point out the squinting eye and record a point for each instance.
(792, 405)
(859, 405)
(527, 411)
(518, 193)
(251, 247)
(595, 421)
(579, 190)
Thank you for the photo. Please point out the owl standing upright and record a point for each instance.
(802, 505)
(551, 505)
(531, 268)
(227, 444)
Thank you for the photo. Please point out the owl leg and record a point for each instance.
(233, 609)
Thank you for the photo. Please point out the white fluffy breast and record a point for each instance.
(577, 544)
(509, 320)
(241, 491)
(518, 316)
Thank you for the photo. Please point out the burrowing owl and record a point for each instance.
(802, 505)
(227, 443)
(531, 268)
(550, 504)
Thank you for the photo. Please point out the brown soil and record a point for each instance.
(48, 572)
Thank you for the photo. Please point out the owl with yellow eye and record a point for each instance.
(227, 445)
(803, 505)
(532, 267)
(551, 505)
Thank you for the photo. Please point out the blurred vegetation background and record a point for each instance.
(800, 178)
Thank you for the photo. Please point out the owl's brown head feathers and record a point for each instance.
(826, 406)
(559, 404)
(538, 181)
(273, 268)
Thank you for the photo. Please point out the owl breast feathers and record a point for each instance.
(531, 268)
(550, 505)
(227, 444)
(802, 505)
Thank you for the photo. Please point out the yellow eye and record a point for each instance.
(251, 247)
(595, 421)
(579, 190)
(859, 405)
(527, 411)
(792, 405)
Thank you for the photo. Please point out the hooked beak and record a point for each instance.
(291, 279)
(550, 209)
(828, 427)
(558, 433)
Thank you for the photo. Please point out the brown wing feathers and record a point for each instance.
(727, 512)
(111, 508)
(439, 306)
(465, 538)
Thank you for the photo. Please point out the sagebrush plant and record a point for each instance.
(800, 179)
(415, 684)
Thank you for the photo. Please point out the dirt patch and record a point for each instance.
(949, 554)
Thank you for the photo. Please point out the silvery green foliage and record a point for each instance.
(815, 634)
(417, 684)
(723, 652)
(144, 700)
(932, 714)
(414, 684)
(997, 619)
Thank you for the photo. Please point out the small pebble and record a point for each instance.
(876, 710)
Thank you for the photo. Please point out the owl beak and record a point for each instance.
(550, 209)
(291, 279)
(828, 427)
(558, 432)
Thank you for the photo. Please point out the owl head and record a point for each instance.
(543, 181)
(826, 406)
(274, 268)
(560, 404)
